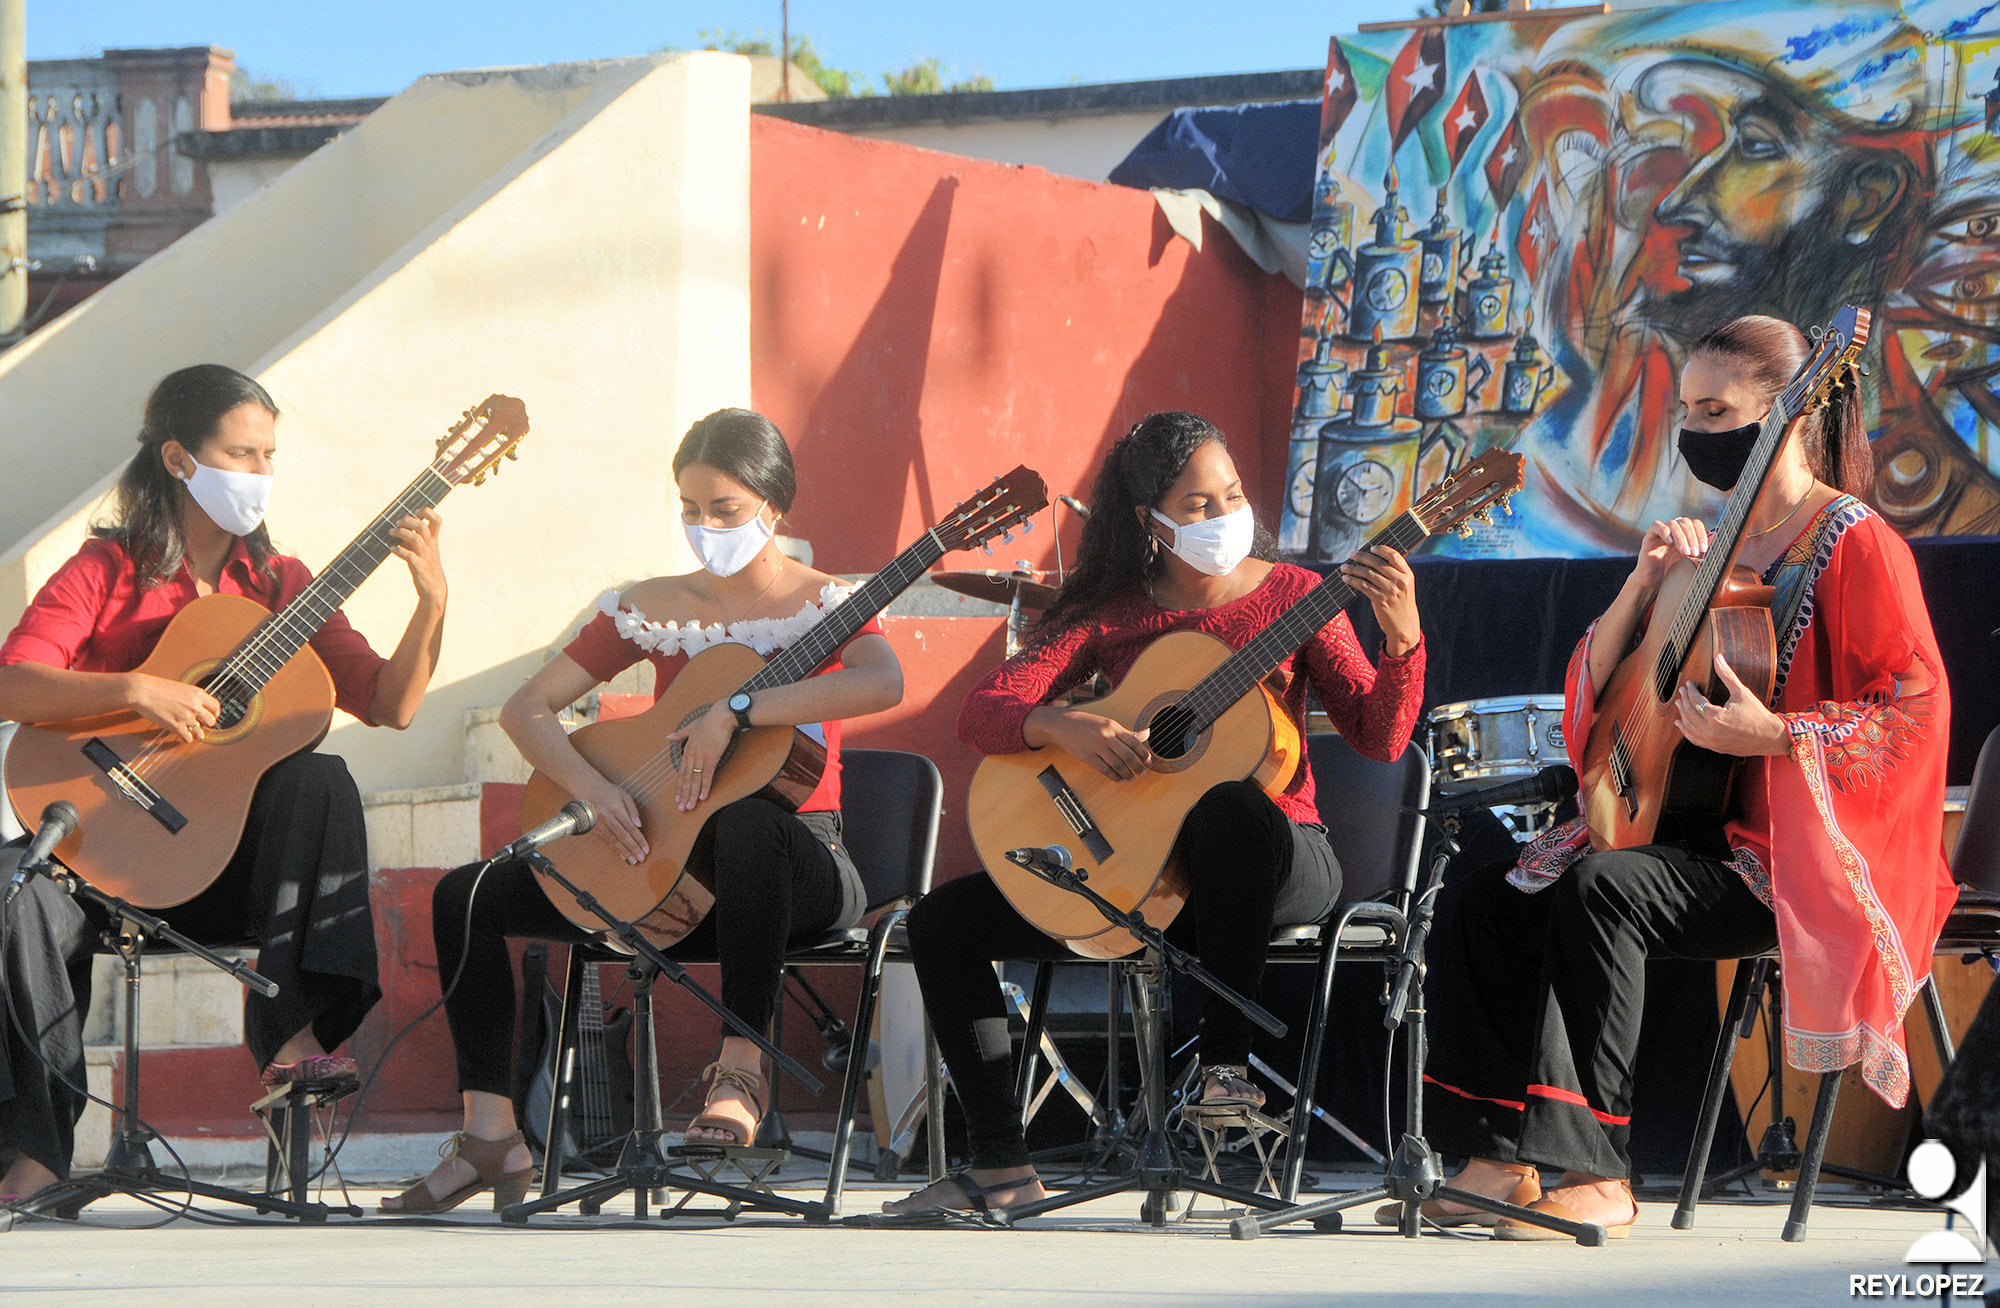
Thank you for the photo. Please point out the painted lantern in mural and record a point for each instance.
(1639, 178)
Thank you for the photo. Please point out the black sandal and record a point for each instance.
(981, 1214)
(1233, 1080)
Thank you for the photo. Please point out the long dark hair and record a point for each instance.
(1116, 554)
(1772, 350)
(747, 446)
(149, 515)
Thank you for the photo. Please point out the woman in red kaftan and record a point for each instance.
(1832, 850)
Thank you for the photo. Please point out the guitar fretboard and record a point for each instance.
(1210, 697)
(824, 639)
(285, 632)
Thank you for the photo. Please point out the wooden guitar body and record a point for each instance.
(1011, 804)
(1637, 766)
(671, 891)
(119, 845)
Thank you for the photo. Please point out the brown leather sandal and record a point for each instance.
(1228, 1085)
(487, 1157)
(755, 1089)
(1526, 1192)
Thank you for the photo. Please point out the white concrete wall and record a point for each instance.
(1075, 147)
(235, 180)
(576, 236)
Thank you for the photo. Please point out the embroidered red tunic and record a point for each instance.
(94, 615)
(1843, 836)
(619, 637)
(1374, 706)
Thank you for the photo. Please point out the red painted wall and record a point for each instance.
(921, 322)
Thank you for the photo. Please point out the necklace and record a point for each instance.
(1787, 518)
(730, 621)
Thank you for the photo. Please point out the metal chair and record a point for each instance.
(1379, 846)
(892, 803)
(1973, 928)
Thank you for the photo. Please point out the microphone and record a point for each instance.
(1549, 786)
(1040, 859)
(58, 820)
(1075, 505)
(575, 818)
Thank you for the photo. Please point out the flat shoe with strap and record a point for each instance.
(756, 1091)
(1525, 1194)
(487, 1158)
(1513, 1229)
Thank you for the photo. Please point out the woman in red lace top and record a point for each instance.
(1169, 546)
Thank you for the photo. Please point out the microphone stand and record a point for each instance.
(1414, 1174)
(129, 1166)
(642, 1165)
(1158, 1170)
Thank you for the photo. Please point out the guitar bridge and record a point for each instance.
(1074, 813)
(133, 786)
(1621, 773)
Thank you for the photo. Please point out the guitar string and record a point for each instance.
(256, 655)
(1638, 724)
(800, 660)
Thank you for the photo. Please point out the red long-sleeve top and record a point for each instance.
(1374, 706)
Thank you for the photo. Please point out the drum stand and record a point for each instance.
(1414, 1174)
(643, 1165)
(1158, 1171)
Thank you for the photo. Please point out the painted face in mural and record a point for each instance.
(1782, 212)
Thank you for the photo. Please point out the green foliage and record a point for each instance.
(925, 77)
(838, 83)
(246, 87)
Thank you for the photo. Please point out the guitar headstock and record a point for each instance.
(487, 433)
(1470, 493)
(1836, 347)
(1009, 501)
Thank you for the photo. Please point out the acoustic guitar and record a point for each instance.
(1212, 717)
(159, 818)
(1637, 767)
(670, 892)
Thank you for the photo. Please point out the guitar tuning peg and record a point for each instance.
(1007, 537)
(480, 480)
(986, 549)
(1027, 526)
(1465, 531)
(513, 451)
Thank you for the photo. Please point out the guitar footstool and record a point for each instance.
(756, 1167)
(291, 1114)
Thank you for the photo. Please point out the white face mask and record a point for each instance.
(1214, 545)
(726, 551)
(235, 501)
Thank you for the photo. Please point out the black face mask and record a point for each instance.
(1716, 458)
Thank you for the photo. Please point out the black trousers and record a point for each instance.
(779, 876)
(297, 888)
(1535, 1000)
(1249, 868)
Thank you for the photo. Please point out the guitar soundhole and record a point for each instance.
(238, 707)
(1172, 734)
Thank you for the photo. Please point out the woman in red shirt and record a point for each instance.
(189, 522)
(1169, 546)
(778, 874)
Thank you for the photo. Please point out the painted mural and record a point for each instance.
(1520, 225)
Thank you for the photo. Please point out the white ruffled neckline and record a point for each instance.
(761, 634)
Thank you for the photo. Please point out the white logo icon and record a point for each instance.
(1932, 1171)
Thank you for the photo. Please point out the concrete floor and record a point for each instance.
(1094, 1254)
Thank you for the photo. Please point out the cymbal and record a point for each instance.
(999, 587)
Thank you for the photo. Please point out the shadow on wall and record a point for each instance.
(879, 389)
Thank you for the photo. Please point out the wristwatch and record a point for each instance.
(739, 704)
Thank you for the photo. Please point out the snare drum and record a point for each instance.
(1481, 741)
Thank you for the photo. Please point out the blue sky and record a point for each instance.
(368, 47)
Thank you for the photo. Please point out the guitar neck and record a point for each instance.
(818, 646)
(1723, 544)
(285, 632)
(1211, 697)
